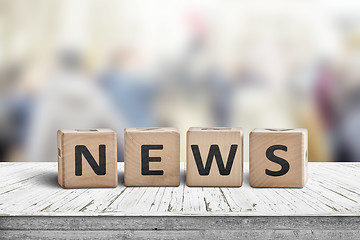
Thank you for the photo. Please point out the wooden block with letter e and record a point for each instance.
(214, 157)
(87, 158)
(152, 157)
(278, 158)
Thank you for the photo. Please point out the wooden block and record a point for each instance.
(278, 158)
(214, 157)
(87, 158)
(152, 157)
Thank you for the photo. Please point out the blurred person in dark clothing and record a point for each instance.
(131, 95)
(194, 81)
(348, 131)
(70, 99)
(15, 110)
(221, 91)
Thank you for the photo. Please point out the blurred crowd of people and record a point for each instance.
(183, 66)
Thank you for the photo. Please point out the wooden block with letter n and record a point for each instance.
(87, 158)
(278, 158)
(152, 157)
(214, 157)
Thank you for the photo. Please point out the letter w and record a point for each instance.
(214, 152)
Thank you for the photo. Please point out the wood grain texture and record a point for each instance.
(34, 206)
(31, 189)
(317, 234)
(91, 139)
(177, 223)
(224, 138)
(295, 154)
(168, 156)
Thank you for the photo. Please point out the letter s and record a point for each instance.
(282, 162)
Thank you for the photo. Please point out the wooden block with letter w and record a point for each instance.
(278, 158)
(87, 158)
(214, 157)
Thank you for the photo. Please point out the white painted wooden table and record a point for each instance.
(33, 205)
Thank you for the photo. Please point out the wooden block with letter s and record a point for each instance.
(214, 157)
(87, 158)
(152, 157)
(278, 158)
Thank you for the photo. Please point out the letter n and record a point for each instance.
(98, 169)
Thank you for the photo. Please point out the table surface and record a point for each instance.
(31, 189)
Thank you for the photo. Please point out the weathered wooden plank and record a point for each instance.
(32, 189)
(161, 223)
(206, 234)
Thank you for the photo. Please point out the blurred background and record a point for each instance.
(116, 64)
